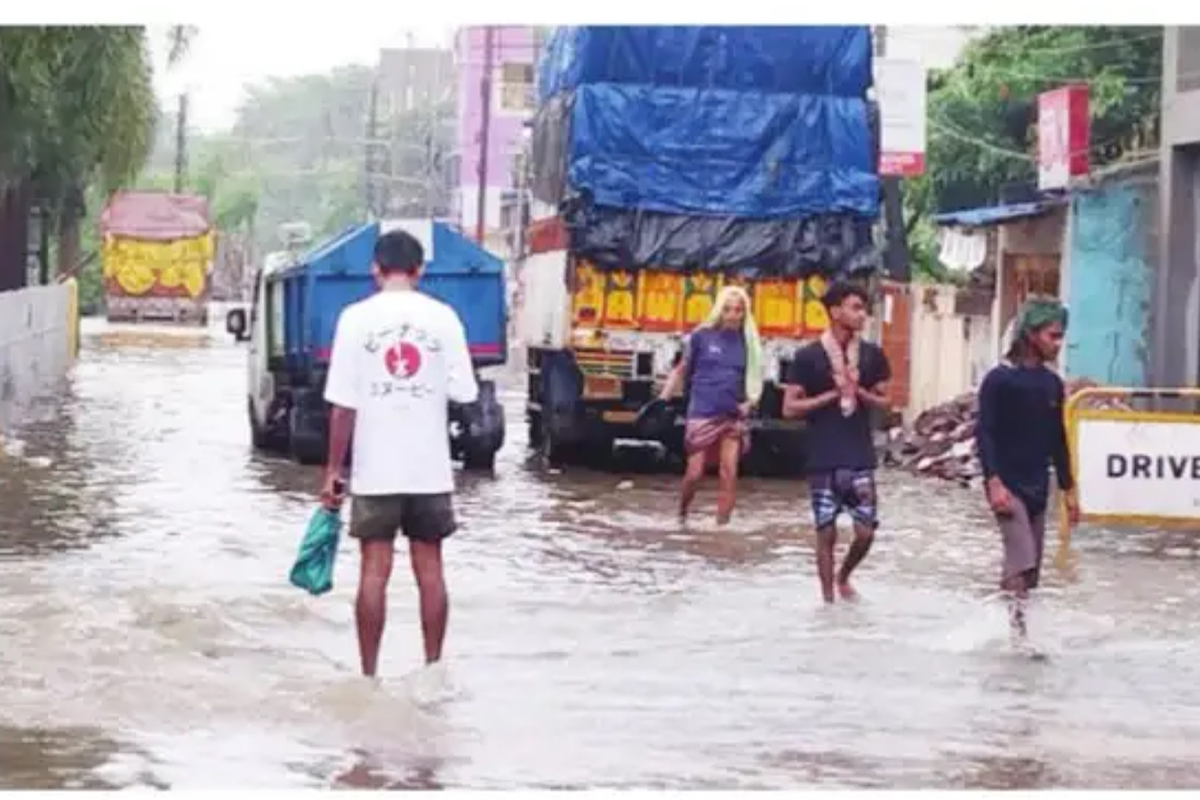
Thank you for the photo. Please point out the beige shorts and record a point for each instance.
(1024, 542)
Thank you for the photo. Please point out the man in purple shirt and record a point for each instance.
(721, 371)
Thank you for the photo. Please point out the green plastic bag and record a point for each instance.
(313, 570)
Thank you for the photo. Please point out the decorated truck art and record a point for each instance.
(156, 257)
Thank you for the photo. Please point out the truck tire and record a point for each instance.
(776, 454)
(533, 423)
(259, 438)
(553, 450)
(307, 445)
(267, 439)
(479, 461)
(484, 433)
(597, 450)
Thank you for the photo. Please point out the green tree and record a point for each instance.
(983, 111)
(983, 114)
(79, 111)
(298, 150)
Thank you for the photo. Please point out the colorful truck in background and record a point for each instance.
(667, 162)
(156, 257)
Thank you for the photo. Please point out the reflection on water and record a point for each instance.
(150, 637)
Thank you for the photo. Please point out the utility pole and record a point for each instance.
(484, 130)
(369, 193)
(434, 178)
(181, 143)
(881, 34)
(896, 257)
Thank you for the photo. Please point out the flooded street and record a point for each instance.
(149, 637)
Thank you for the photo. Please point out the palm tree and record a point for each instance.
(79, 110)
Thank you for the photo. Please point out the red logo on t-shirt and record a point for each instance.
(402, 360)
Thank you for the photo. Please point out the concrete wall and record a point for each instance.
(39, 335)
(950, 351)
(1109, 288)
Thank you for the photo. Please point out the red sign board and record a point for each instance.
(1063, 136)
(904, 165)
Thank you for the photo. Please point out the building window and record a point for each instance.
(514, 89)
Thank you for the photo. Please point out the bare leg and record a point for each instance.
(426, 558)
(730, 455)
(691, 482)
(370, 609)
(826, 542)
(864, 536)
(1018, 596)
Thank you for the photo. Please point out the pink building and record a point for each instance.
(514, 54)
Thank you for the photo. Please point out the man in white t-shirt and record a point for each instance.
(398, 358)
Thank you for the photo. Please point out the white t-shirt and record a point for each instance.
(397, 358)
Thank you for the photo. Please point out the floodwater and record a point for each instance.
(149, 638)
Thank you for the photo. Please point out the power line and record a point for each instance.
(941, 126)
(1082, 48)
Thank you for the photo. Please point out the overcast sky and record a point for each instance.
(226, 57)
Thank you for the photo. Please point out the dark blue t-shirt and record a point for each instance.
(836, 441)
(716, 368)
(1020, 432)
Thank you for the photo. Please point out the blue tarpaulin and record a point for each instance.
(820, 60)
(992, 215)
(749, 148)
(720, 152)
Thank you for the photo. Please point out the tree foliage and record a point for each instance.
(298, 150)
(77, 110)
(982, 112)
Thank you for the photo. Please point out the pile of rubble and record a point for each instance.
(941, 440)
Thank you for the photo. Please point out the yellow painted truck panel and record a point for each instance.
(657, 301)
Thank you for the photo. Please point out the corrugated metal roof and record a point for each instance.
(993, 215)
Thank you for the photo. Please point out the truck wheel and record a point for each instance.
(479, 461)
(777, 454)
(262, 437)
(307, 446)
(555, 452)
(485, 430)
(534, 426)
(258, 435)
(598, 450)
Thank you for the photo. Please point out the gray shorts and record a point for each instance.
(1024, 542)
(420, 517)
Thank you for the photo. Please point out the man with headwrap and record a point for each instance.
(1020, 433)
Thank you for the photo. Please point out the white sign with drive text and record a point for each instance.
(1143, 469)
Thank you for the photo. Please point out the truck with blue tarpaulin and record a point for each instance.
(666, 162)
(296, 301)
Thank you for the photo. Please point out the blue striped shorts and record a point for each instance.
(844, 490)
